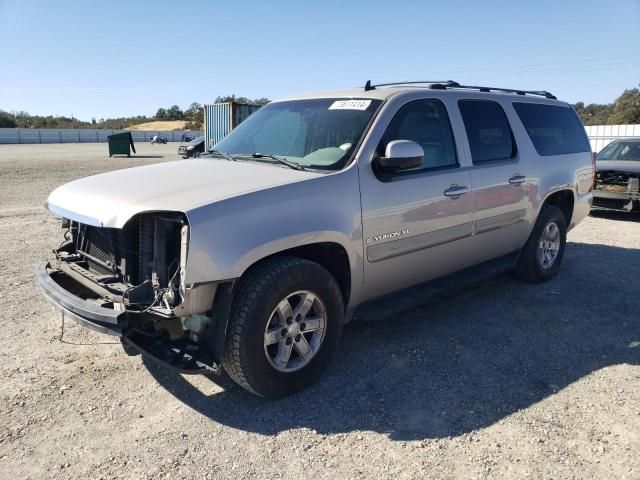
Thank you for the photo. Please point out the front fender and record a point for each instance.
(229, 236)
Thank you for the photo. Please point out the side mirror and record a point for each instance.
(400, 155)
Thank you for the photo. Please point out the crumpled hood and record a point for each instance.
(110, 199)
(629, 166)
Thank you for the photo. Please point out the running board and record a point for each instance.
(417, 295)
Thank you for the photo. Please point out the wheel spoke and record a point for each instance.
(284, 353)
(306, 302)
(311, 324)
(273, 336)
(302, 347)
(284, 311)
(300, 329)
(554, 246)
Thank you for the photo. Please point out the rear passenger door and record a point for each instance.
(498, 178)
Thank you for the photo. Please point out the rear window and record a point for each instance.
(488, 130)
(553, 129)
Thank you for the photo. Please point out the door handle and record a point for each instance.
(517, 179)
(455, 190)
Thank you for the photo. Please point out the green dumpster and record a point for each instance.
(119, 144)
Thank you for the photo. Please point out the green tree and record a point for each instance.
(626, 108)
(194, 110)
(232, 98)
(175, 113)
(594, 113)
(261, 101)
(7, 120)
(161, 114)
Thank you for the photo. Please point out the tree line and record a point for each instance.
(193, 115)
(624, 110)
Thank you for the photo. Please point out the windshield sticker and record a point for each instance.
(350, 105)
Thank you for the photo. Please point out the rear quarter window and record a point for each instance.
(553, 129)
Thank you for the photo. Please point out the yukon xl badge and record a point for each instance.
(388, 236)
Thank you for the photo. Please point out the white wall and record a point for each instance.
(601, 135)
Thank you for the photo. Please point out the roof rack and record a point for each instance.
(443, 85)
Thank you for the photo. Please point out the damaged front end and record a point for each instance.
(617, 190)
(130, 282)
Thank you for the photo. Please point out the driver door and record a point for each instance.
(417, 224)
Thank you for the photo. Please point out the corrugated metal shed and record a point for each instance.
(221, 118)
(601, 135)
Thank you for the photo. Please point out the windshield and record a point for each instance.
(628, 151)
(318, 133)
(196, 141)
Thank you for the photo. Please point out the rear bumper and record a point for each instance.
(90, 315)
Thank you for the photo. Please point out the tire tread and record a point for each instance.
(254, 282)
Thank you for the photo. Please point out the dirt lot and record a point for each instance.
(503, 380)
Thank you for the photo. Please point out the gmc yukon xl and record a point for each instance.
(317, 210)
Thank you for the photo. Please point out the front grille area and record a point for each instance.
(108, 251)
(98, 249)
(147, 248)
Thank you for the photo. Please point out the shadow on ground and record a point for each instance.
(615, 215)
(463, 362)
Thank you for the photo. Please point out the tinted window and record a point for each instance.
(553, 129)
(488, 130)
(425, 122)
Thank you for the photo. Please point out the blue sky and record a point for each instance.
(119, 58)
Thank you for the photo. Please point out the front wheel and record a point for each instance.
(285, 324)
(542, 255)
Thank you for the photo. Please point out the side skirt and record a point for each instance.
(416, 295)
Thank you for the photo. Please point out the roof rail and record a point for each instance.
(443, 85)
(369, 86)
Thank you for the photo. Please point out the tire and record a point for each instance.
(533, 266)
(257, 319)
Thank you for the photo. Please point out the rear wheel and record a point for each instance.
(285, 324)
(542, 255)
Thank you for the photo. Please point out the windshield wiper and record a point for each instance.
(281, 160)
(222, 154)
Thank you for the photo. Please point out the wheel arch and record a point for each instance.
(331, 255)
(564, 199)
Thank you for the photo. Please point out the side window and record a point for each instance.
(488, 130)
(425, 122)
(553, 129)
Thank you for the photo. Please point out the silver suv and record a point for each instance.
(317, 210)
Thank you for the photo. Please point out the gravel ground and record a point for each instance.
(502, 380)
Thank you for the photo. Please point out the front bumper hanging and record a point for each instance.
(182, 355)
(88, 314)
